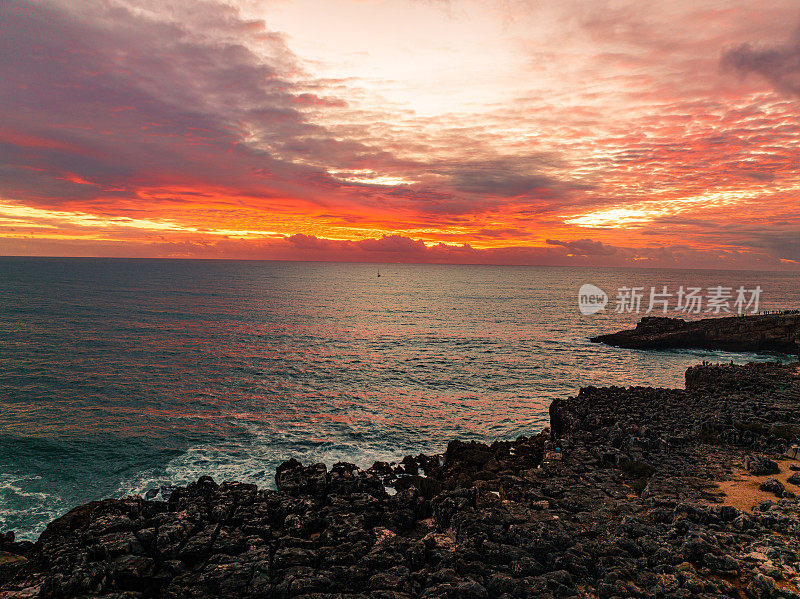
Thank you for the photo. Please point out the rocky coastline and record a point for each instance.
(776, 332)
(633, 492)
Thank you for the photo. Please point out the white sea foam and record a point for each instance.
(135, 377)
(252, 462)
(24, 510)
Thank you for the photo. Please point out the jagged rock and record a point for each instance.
(9, 544)
(760, 465)
(772, 485)
(762, 587)
(764, 332)
(292, 478)
(615, 500)
(10, 565)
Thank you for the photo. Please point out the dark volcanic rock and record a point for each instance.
(765, 332)
(618, 502)
(772, 485)
(9, 544)
(759, 465)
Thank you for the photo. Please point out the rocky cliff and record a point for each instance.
(766, 332)
(620, 500)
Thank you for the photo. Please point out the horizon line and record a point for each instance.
(397, 263)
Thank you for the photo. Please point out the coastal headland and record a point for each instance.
(633, 492)
(776, 332)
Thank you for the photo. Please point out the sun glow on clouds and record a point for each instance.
(413, 130)
(433, 58)
(614, 217)
(368, 177)
(20, 218)
(652, 210)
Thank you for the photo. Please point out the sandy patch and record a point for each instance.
(742, 491)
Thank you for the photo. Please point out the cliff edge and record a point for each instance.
(778, 332)
(636, 492)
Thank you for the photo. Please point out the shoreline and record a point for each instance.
(777, 332)
(620, 498)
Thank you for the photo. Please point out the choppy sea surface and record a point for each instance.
(118, 376)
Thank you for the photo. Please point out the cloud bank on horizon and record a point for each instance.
(610, 132)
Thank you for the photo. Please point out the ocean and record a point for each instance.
(118, 376)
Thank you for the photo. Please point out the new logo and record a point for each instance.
(591, 299)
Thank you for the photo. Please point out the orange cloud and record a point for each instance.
(198, 131)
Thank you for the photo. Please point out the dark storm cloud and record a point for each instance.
(777, 236)
(779, 239)
(778, 64)
(508, 176)
(502, 233)
(682, 221)
(103, 99)
(583, 252)
(785, 245)
(584, 247)
(115, 95)
(105, 102)
(394, 244)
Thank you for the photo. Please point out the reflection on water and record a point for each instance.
(120, 375)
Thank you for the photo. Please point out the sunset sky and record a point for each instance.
(586, 132)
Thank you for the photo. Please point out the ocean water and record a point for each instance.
(118, 376)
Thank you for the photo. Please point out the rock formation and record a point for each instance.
(621, 503)
(779, 332)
